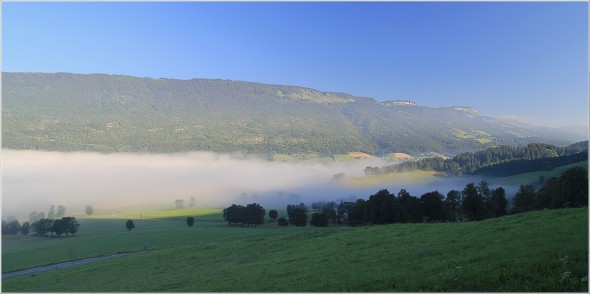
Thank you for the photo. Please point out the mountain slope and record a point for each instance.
(113, 113)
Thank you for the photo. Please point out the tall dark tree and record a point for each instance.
(190, 221)
(59, 227)
(379, 208)
(283, 222)
(13, 227)
(574, 185)
(410, 206)
(25, 228)
(525, 199)
(299, 217)
(497, 204)
(4, 227)
(432, 206)
(254, 214)
(72, 225)
(551, 195)
(234, 214)
(129, 225)
(358, 214)
(483, 188)
(473, 205)
(319, 219)
(273, 214)
(453, 205)
(42, 227)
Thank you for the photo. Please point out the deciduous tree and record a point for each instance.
(129, 225)
(283, 222)
(473, 205)
(299, 217)
(190, 221)
(273, 214)
(525, 199)
(319, 219)
(25, 228)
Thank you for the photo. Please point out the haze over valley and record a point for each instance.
(258, 146)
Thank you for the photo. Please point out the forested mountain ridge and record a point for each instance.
(114, 113)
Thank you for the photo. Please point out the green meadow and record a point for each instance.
(533, 177)
(537, 251)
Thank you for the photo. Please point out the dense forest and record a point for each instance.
(113, 113)
(495, 161)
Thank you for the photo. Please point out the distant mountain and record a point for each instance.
(114, 113)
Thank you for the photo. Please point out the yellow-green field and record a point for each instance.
(413, 178)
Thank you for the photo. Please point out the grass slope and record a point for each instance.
(537, 251)
(533, 177)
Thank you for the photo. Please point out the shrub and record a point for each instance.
(190, 221)
(319, 220)
(283, 222)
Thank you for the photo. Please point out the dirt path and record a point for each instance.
(58, 265)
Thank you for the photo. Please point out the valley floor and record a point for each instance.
(537, 251)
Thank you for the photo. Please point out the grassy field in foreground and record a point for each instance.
(537, 251)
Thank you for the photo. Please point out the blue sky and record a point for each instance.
(523, 60)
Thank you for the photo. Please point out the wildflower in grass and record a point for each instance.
(566, 275)
(584, 279)
(564, 259)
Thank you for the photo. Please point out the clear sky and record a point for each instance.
(524, 60)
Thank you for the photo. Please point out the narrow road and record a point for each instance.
(58, 265)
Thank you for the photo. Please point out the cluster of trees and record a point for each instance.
(474, 202)
(66, 225)
(55, 222)
(297, 214)
(570, 189)
(497, 161)
(12, 227)
(251, 214)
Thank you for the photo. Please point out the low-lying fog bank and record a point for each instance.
(34, 180)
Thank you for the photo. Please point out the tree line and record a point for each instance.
(55, 222)
(474, 202)
(497, 161)
(66, 225)
(570, 189)
(251, 214)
